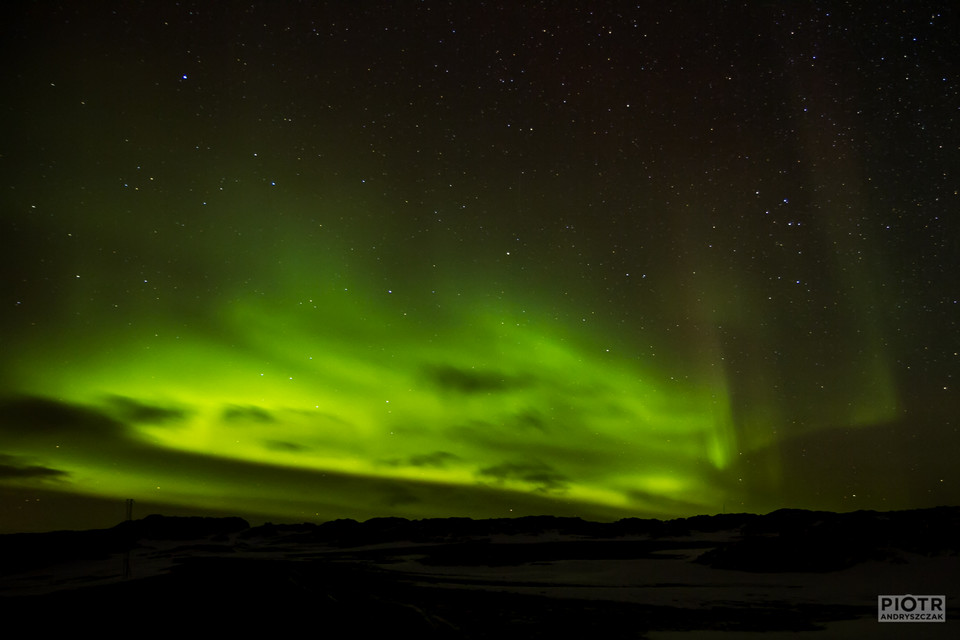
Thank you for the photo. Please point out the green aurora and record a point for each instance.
(337, 298)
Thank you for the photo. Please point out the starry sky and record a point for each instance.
(299, 261)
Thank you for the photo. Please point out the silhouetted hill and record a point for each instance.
(537, 576)
(784, 540)
(20, 551)
(798, 540)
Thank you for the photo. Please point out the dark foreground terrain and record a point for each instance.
(791, 573)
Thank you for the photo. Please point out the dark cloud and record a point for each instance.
(34, 418)
(435, 459)
(459, 380)
(532, 420)
(521, 438)
(236, 413)
(313, 495)
(536, 473)
(13, 468)
(135, 412)
(281, 445)
(329, 494)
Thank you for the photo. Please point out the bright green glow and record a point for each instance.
(422, 404)
(480, 396)
(388, 387)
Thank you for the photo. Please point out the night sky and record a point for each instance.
(305, 261)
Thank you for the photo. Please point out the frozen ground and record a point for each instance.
(545, 584)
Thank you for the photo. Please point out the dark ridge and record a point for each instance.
(21, 551)
(784, 540)
(157, 527)
(817, 541)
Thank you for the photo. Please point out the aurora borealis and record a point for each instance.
(303, 261)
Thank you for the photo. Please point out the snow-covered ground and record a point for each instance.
(664, 578)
